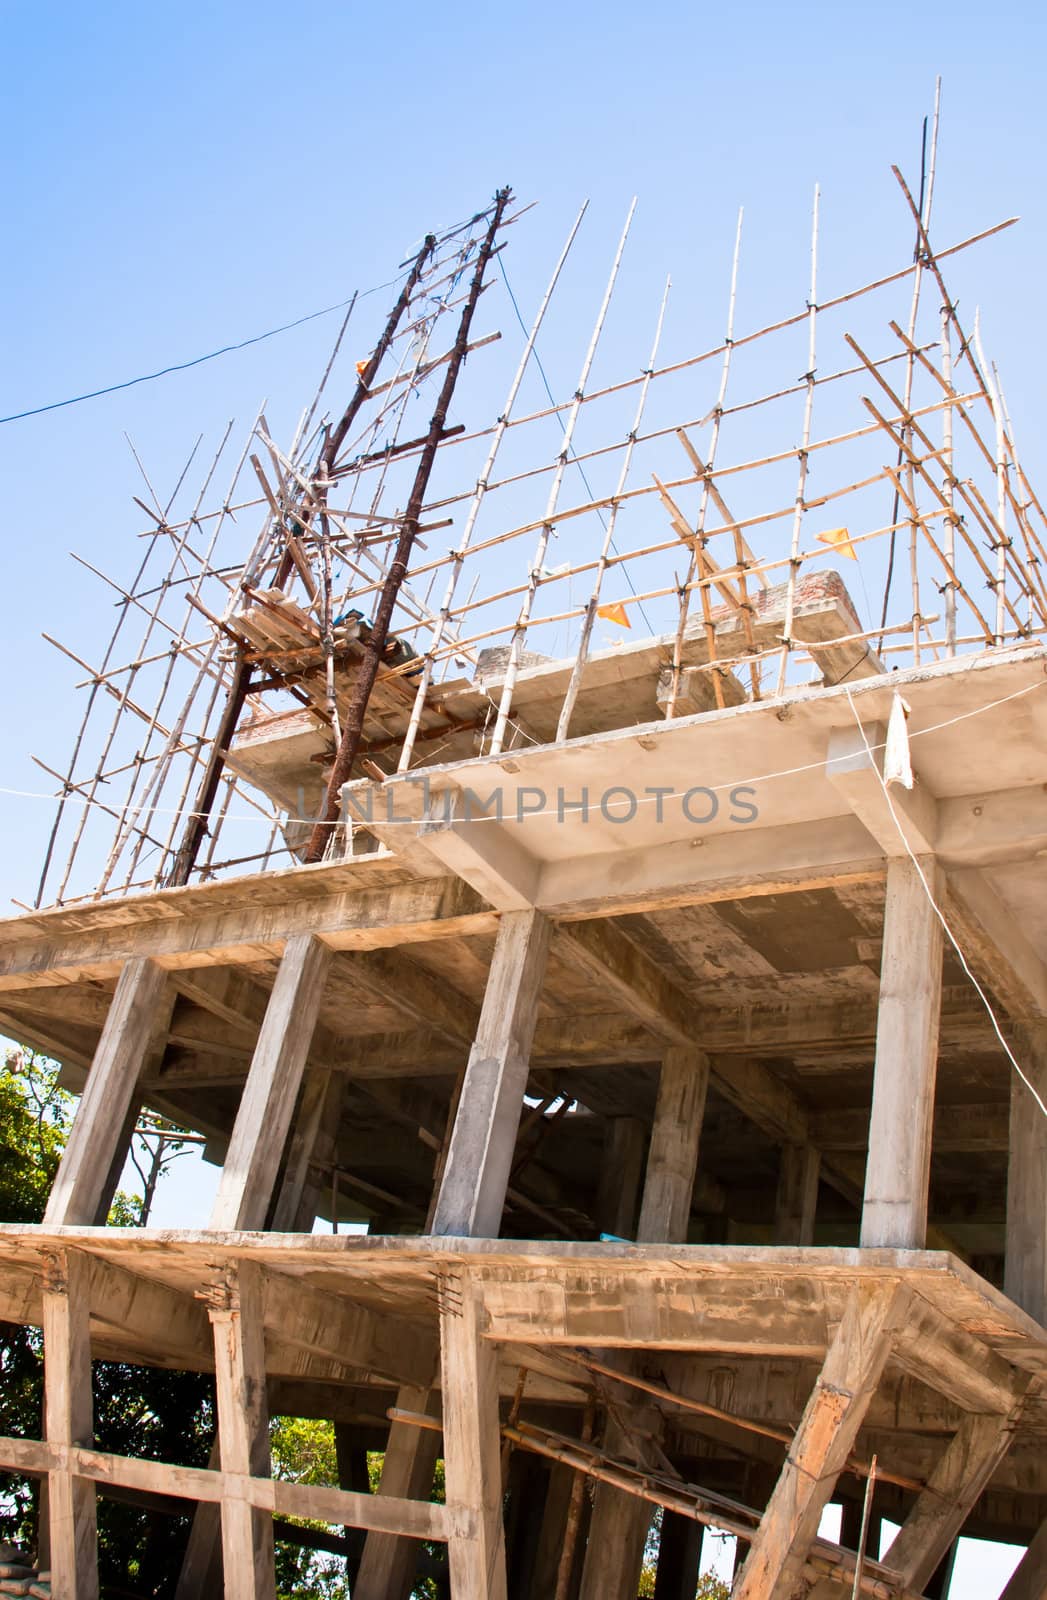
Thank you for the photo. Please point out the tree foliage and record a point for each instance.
(142, 1411)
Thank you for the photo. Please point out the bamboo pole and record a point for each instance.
(547, 525)
(603, 561)
(574, 1514)
(802, 453)
(1001, 539)
(458, 556)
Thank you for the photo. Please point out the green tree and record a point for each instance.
(143, 1411)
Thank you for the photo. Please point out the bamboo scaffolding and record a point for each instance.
(603, 562)
(803, 452)
(705, 471)
(343, 557)
(457, 557)
(546, 526)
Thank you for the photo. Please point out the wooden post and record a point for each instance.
(1029, 1579)
(472, 1193)
(937, 1518)
(554, 1526)
(268, 1099)
(201, 1568)
(472, 1449)
(136, 1012)
(679, 1557)
(69, 1421)
(625, 1140)
(351, 1459)
(1025, 1264)
(939, 1583)
(243, 1431)
(797, 1198)
(388, 1563)
(314, 1142)
(831, 1419)
(618, 1531)
(673, 1156)
(894, 1212)
(295, 1210)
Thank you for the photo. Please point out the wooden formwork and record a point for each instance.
(778, 1047)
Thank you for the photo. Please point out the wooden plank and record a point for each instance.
(673, 1155)
(263, 915)
(472, 1449)
(958, 1130)
(236, 1310)
(386, 1344)
(267, 1103)
(140, 1009)
(1025, 1261)
(823, 1441)
(151, 1313)
(69, 1421)
(937, 1518)
(894, 1210)
(472, 1193)
(939, 1352)
(797, 1198)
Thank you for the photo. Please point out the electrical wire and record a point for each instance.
(212, 355)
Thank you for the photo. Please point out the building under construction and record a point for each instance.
(606, 855)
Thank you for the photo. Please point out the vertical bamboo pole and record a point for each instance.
(794, 556)
(1000, 531)
(458, 556)
(535, 576)
(685, 591)
(948, 487)
(567, 709)
(922, 216)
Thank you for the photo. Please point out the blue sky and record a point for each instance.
(178, 178)
(183, 178)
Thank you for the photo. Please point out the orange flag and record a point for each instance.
(840, 540)
(361, 367)
(615, 612)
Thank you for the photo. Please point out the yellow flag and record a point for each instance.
(615, 612)
(840, 541)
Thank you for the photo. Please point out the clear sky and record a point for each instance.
(183, 177)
